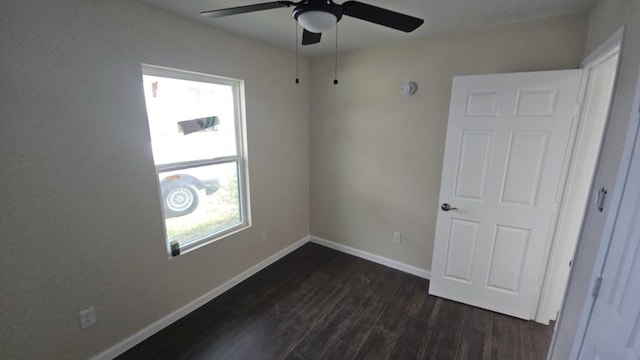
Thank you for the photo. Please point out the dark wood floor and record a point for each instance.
(317, 303)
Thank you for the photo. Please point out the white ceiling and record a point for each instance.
(277, 27)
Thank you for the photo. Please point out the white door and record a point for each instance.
(613, 331)
(506, 143)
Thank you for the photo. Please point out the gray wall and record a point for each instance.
(81, 219)
(81, 222)
(377, 156)
(605, 19)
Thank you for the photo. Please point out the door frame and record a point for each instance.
(554, 283)
(584, 281)
(614, 261)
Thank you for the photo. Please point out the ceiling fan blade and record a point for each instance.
(247, 8)
(380, 16)
(309, 38)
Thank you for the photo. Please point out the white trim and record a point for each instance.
(559, 257)
(145, 333)
(239, 123)
(615, 199)
(599, 53)
(155, 327)
(426, 274)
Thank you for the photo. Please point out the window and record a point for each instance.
(196, 128)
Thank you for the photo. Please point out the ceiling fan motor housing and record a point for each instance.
(327, 7)
(318, 16)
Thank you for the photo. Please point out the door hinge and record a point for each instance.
(596, 287)
(600, 197)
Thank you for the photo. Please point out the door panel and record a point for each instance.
(536, 102)
(474, 164)
(482, 103)
(507, 258)
(461, 252)
(524, 164)
(506, 141)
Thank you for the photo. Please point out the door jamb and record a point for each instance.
(617, 37)
(609, 48)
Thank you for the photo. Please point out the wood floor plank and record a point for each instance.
(338, 350)
(535, 340)
(319, 306)
(412, 340)
(356, 267)
(475, 342)
(317, 303)
(445, 329)
(325, 274)
(320, 336)
(360, 288)
(272, 347)
(199, 332)
(288, 321)
(403, 304)
(506, 338)
(354, 331)
(254, 330)
(423, 304)
(261, 316)
(378, 345)
(293, 356)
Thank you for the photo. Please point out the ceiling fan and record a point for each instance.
(318, 16)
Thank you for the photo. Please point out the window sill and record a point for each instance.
(189, 247)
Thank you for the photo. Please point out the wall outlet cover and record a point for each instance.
(397, 237)
(87, 317)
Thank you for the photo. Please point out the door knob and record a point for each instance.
(447, 207)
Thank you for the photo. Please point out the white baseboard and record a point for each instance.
(426, 274)
(155, 327)
(145, 333)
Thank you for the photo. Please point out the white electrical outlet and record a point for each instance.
(87, 317)
(264, 236)
(397, 236)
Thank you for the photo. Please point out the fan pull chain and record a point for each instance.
(297, 68)
(335, 64)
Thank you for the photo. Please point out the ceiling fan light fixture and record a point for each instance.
(317, 21)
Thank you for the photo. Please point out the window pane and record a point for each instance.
(199, 201)
(170, 101)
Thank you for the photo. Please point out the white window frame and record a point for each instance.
(240, 158)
